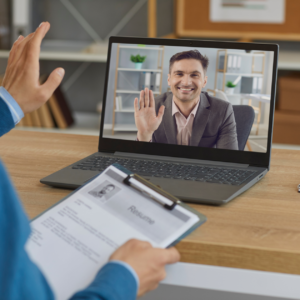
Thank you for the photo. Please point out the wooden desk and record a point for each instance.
(259, 230)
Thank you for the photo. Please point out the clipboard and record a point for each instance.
(130, 175)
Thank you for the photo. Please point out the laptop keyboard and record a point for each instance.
(201, 173)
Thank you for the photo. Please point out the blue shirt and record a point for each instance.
(14, 108)
(20, 278)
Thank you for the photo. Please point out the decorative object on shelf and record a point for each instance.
(138, 60)
(230, 87)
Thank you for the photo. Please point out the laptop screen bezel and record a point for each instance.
(191, 152)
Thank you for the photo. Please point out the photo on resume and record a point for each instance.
(103, 192)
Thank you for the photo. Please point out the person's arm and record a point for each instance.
(6, 119)
(138, 258)
(19, 277)
(10, 112)
(113, 281)
(227, 137)
(116, 280)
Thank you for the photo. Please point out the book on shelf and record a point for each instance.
(36, 122)
(119, 105)
(157, 81)
(147, 80)
(234, 63)
(150, 80)
(27, 120)
(57, 113)
(45, 116)
(64, 106)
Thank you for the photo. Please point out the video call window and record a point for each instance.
(203, 97)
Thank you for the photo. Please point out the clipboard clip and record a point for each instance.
(153, 187)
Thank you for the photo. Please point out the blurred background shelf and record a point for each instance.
(288, 60)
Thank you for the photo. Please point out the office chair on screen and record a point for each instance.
(244, 118)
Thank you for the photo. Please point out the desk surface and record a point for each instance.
(258, 230)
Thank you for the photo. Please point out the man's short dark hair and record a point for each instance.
(192, 54)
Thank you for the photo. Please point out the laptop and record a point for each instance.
(201, 125)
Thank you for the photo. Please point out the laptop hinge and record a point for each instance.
(180, 160)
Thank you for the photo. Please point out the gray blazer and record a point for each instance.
(214, 123)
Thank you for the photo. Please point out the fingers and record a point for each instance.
(39, 34)
(142, 99)
(13, 50)
(19, 48)
(52, 82)
(136, 106)
(146, 97)
(170, 256)
(152, 102)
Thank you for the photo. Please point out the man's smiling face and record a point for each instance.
(186, 79)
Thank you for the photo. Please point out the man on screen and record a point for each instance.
(186, 116)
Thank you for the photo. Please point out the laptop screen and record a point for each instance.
(190, 96)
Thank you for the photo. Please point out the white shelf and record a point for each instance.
(243, 74)
(132, 92)
(65, 56)
(69, 51)
(125, 110)
(141, 48)
(125, 127)
(140, 70)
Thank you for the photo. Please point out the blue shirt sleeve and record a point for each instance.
(6, 119)
(113, 282)
(130, 269)
(15, 109)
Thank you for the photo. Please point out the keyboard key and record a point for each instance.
(201, 179)
(167, 176)
(213, 181)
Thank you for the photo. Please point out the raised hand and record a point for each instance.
(148, 262)
(21, 78)
(145, 116)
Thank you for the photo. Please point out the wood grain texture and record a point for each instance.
(192, 20)
(258, 230)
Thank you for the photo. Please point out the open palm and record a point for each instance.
(145, 116)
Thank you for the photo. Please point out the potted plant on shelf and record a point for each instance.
(137, 60)
(230, 87)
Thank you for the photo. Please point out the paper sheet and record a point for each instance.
(71, 241)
